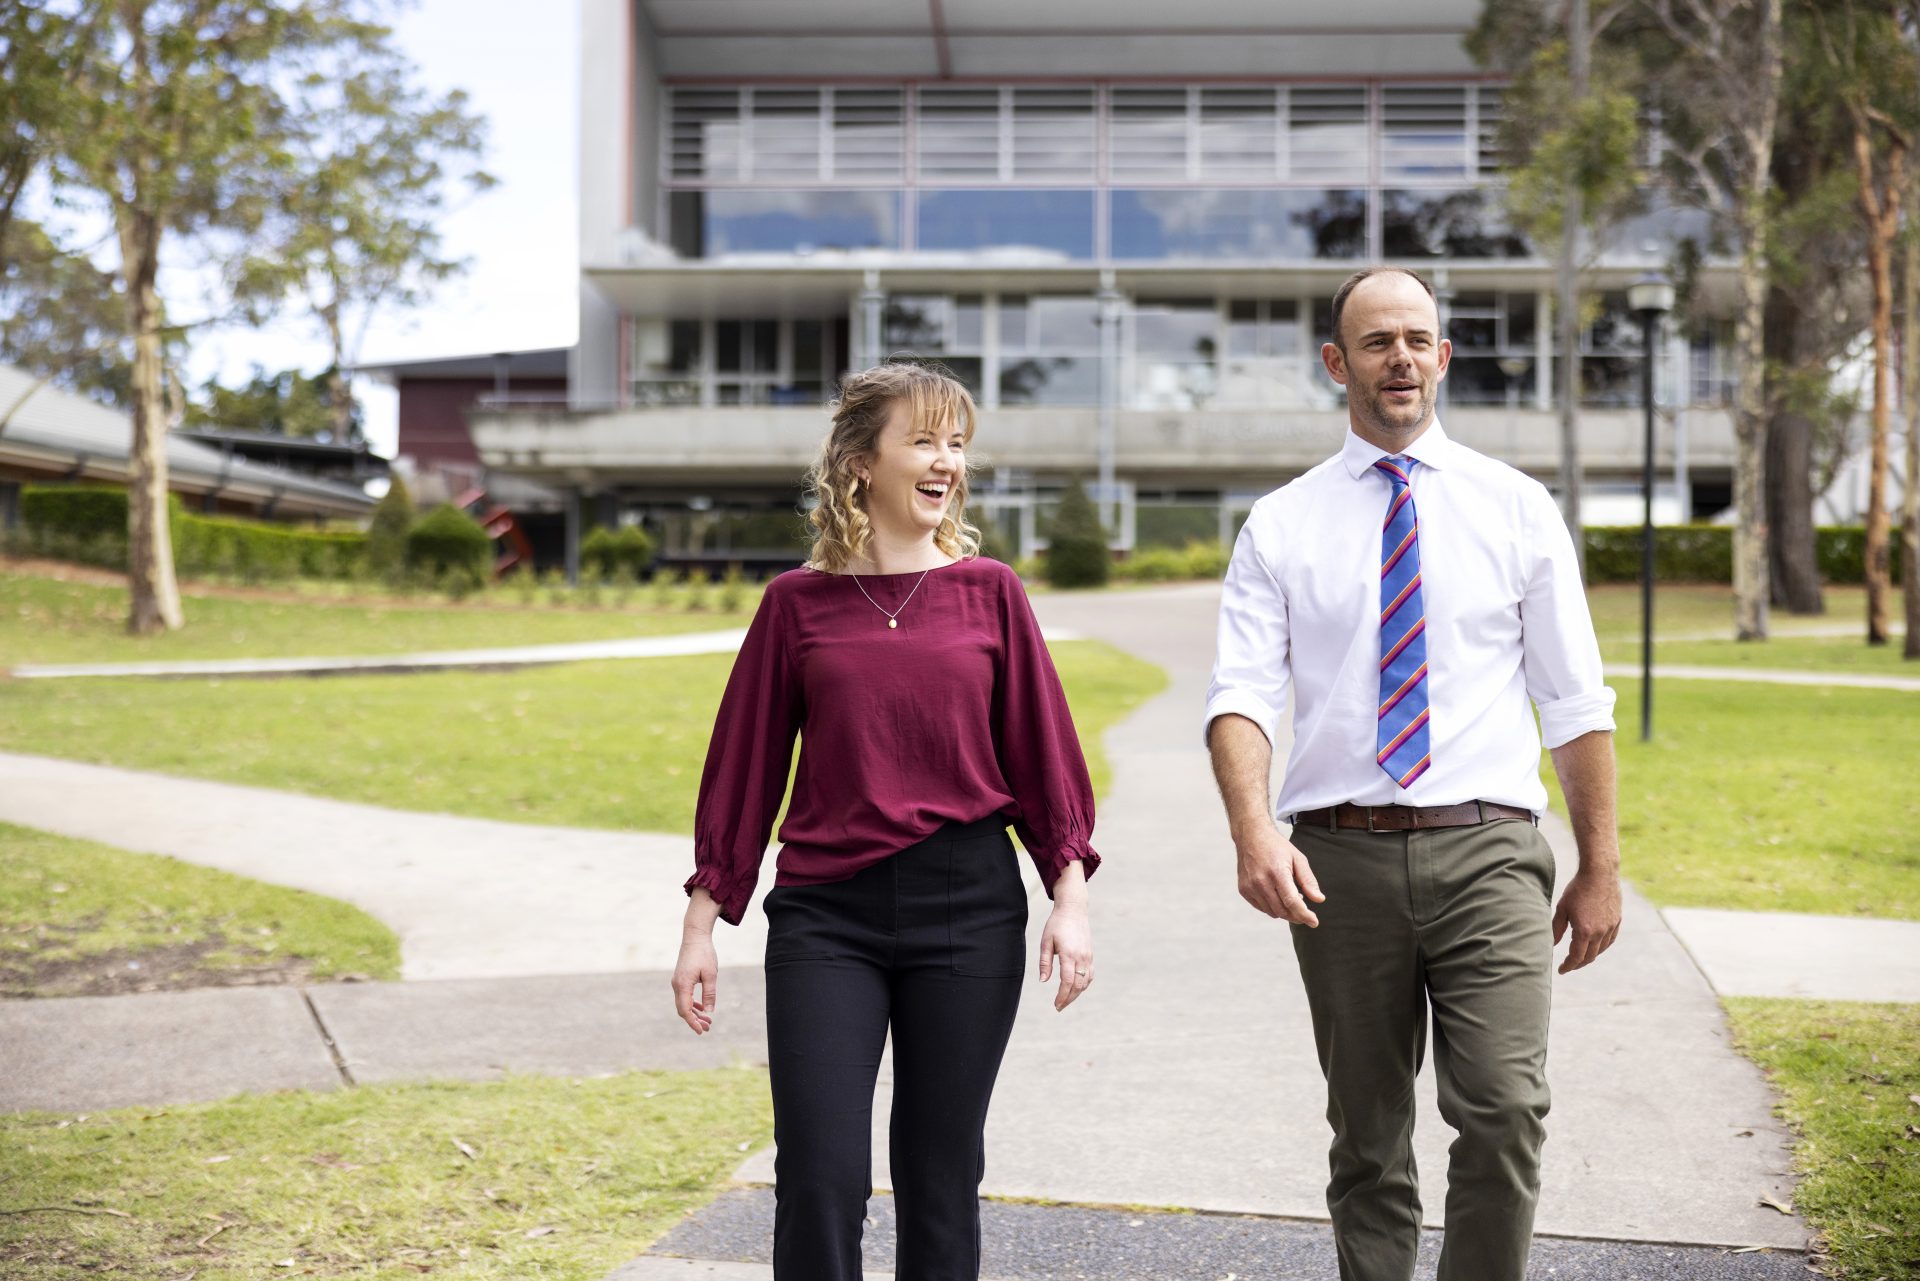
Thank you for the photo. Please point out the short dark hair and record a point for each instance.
(1347, 286)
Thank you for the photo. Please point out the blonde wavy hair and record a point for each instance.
(840, 526)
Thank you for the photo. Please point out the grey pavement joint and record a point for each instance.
(95, 1052)
(1790, 954)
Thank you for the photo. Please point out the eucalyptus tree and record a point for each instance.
(182, 134)
(1871, 49)
(377, 166)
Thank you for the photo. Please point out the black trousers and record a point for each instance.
(932, 943)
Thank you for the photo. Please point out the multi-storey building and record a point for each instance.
(1119, 224)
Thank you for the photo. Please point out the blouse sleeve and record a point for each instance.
(1038, 748)
(748, 760)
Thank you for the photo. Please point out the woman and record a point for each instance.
(932, 718)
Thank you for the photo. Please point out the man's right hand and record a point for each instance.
(1275, 877)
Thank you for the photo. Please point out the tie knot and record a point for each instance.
(1397, 466)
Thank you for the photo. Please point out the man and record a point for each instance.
(1413, 596)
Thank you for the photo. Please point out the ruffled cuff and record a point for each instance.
(1055, 862)
(732, 893)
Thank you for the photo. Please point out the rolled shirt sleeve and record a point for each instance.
(1559, 653)
(1250, 670)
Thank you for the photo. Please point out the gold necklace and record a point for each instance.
(893, 619)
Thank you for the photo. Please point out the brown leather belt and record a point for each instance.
(1408, 818)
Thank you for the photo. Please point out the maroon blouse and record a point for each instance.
(954, 716)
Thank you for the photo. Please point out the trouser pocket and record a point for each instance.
(986, 907)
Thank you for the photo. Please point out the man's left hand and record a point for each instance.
(1591, 905)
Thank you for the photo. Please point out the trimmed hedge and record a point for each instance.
(1704, 553)
(448, 548)
(1076, 545)
(89, 524)
(617, 553)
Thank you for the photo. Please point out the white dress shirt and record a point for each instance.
(1507, 621)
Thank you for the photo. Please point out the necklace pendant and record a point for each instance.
(892, 623)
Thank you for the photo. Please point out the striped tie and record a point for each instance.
(1402, 736)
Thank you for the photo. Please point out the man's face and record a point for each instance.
(1391, 359)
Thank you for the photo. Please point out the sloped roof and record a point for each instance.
(45, 429)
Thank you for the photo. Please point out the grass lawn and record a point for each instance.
(1697, 610)
(78, 918)
(1849, 1079)
(47, 620)
(1771, 798)
(557, 1179)
(611, 745)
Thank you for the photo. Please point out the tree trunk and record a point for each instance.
(1567, 308)
(1882, 212)
(154, 597)
(1750, 406)
(1910, 387)
(339, 392)
(1794, 569)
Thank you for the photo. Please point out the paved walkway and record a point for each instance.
(1769, 676)
(552, 946)
(721, 642)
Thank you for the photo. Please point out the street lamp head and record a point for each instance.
(1651, 295)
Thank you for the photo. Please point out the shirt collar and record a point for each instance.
(1433, 449)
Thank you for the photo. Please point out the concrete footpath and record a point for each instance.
(1186, 1078)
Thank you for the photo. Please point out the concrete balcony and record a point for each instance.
(671, 447)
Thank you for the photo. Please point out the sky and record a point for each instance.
(519, 65)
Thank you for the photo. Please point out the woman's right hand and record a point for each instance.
(698, 966)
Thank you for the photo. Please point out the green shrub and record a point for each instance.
(1704, 554)
(1151, 565)
(664, 582)
(627, 551)
(387, 532)
(78, 511)
(697, 582)
(733, 590)
(449, 549)
(1076, 545)
(1841, 552)
(90, 525)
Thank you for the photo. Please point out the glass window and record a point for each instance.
(914, 322)
(1458, 223)
(969, 322)
(1053, 134)
(1423, 132)
(1057, 222)
(1238, 223)
(1522, 322)
(1013, 322)
(1239, 133)
(958, 133)
(1185, 329)
(1147, 133)
(1490, 380)
(1327, 133)
(1263, 327)
(683, 346)
(967, 369)
(704, 133)
(1050, 380)
(783, 135)
(869, 135)
(1066, 323)
(706, 224)
(1175, 342)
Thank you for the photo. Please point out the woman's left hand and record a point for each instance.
(1068, 938)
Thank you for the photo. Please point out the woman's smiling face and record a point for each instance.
(913, 473)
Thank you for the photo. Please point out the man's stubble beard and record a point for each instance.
(1373, 413)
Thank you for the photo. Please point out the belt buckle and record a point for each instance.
(1370, 826)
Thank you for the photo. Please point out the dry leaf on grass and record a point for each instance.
(465, 1149)
(1772, 1204)
(540, 1232)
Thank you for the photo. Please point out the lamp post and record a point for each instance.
(1650, 298)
